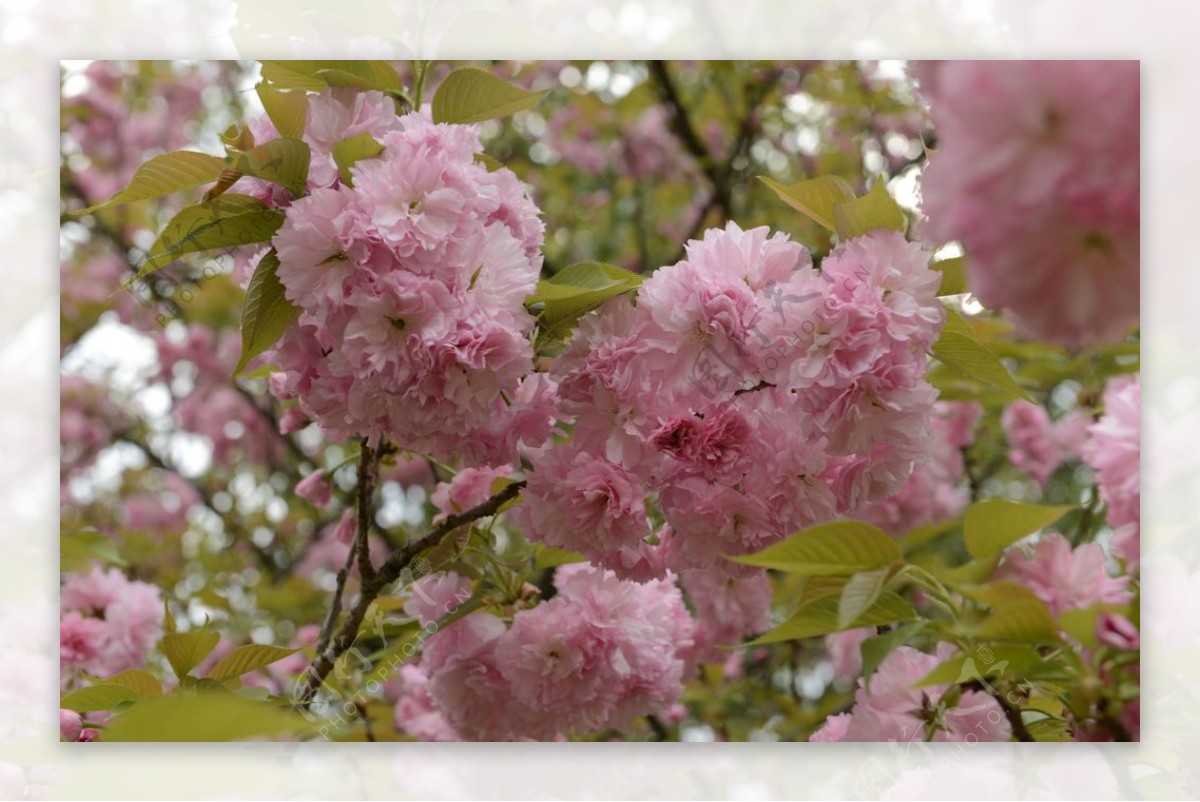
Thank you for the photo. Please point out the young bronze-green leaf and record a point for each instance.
(266, 314)
(166, 173)
(471, 95)
(226, 221)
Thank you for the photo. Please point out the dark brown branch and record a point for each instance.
(368, 462)
(686, 131)
(388, 573)
(1011, 712)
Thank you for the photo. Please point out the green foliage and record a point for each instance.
(1016, 614)
(814, 198)
(994, 524)
(207, 715)
(860, 592)
(576, 290)
(185, 650)
(164, 174)
(139, 680)
(840, 548)
(314, 76)
(77, 549)
(349, 151)
(226, 221)
(470, 95)
(876, 209)
(954, 275)
(281, 161)
(821, 617)
(98, 697)
(267, 313)
(247, 658)
(288, 110)
(965, 667)
(958, 349)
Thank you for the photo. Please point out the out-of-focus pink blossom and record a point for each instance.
(1036, 172)
(1062, 577)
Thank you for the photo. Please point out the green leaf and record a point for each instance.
(876, 209)
(471, 95)
(820, 617)
(98, 697)
(814, 198)
(349, 151)
(280, 161)
(247, 658)
(1017, 615)
(77, 549)
(550, 557)
(288, 110)
(576, 290)
(1080, 624)
(139, 680)
(860, 592)
(839, 548)
(166, 173)
(959, 351)
(954, 275)
(185, 650)
(266, 314)
(313, 76)
(972, 572)
(982, 663)
(227, 220)
(994, 524)
(203, 716)
(1050, 730)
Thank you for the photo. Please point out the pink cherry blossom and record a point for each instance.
(1037, 173)
(418, 273)
(1062, 577)
(1113, 450)
(1032, 445)
(577, 501)
(109, 623)
(889, 708)
(70, 725)
(437, 595)
(469, 488)
(316, 488)
(726, 609)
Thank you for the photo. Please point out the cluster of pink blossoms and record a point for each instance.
(411, 285)
(1038, 445)
(1062, 577)
(597, 655)
(1113, 449)
(755, 395)
(1036, 172)
(888, 708)
(935, 489)
(108, 624)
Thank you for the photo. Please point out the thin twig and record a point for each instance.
(388, 573)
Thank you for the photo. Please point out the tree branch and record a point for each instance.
(388, 573)
(1011, 712)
